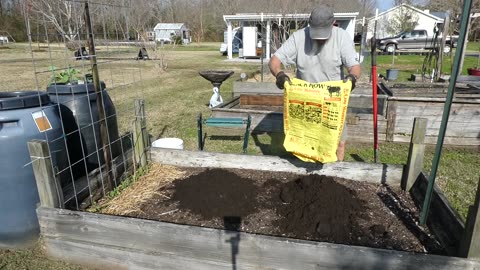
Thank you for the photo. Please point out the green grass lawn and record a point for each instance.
(412, 64)
(175, 95)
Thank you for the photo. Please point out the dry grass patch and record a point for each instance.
(130, 200)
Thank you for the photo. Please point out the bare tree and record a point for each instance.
(404, 19)
(65, 16)
(455, 8)
(142, 17)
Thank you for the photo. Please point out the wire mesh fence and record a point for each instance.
(85, 62)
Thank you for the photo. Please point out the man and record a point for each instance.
(320, 53)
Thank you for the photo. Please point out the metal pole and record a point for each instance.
(375, 100)
(261, 57)
(360, 50)
(464, 47)
(374, 92)
(99, 97)
(467, 5)
(446, 24)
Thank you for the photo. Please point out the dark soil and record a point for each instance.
(309, 207)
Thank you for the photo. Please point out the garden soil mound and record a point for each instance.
(310, 207)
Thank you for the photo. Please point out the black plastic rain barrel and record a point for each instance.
(25, 116)
(80, 101)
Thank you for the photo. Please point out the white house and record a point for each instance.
(166, 32)
(425, 20)
(269, 24)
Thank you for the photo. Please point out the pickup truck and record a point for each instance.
(415, 39)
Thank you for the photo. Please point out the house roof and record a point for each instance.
(410, 7)
(168, 26)
(275, 17)
(441, 15)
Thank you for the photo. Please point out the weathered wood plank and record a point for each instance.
(455, 129)
(49, 189)
(442, 219)
(431, 109)
(463, 121)
(259, 88)
(357, 171)
(415, 153)
(118, 258)
(120, 243)
(364, 125)
(436, 100)
(470, 244)
(364, 138)
(448, 140)
(391, 119)
(270, 100)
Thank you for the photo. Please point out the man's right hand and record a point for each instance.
(281, 79)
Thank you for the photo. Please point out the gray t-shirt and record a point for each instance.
(318, 63)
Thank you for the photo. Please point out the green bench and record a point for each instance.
(223, 122)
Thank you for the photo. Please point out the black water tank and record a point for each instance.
(80, 101)
(25, 116)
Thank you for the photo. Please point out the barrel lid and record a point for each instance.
(23, 99)
(68, 89)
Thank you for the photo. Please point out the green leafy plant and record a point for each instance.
(65, 76)
(127, 182)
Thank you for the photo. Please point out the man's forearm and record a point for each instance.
(355, 71)
(275, 65)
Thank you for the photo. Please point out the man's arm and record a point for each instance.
(275, 65)
(276, 69)
(355, 71)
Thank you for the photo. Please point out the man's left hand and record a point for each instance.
(351, 78)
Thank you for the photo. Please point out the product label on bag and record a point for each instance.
(314, 115)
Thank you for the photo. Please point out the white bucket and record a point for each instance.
(170, 143)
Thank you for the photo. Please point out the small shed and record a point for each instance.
(167, 32)
(425, 20)
(3, 40)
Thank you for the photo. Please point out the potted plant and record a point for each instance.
(68, 76)
(476, 70)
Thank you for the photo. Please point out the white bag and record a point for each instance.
(216, 99)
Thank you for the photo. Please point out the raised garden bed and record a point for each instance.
(398, 105)
(307, 207)
(219, 218)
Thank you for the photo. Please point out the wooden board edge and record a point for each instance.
(356, 171)
(449, 230)
(335, 256)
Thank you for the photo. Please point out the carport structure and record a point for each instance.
(278, 26)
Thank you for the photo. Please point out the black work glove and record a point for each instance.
(281, 79)
(351, 78)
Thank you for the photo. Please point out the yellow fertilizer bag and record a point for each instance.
(313, 118)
